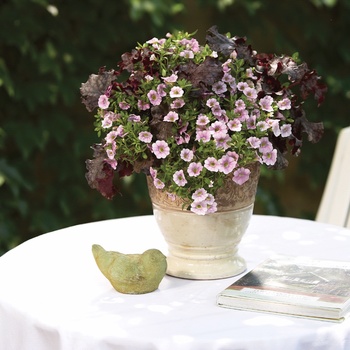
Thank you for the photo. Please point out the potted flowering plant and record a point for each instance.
(190, 115)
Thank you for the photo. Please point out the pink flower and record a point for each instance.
(202, 119)
(161, 149)
(199, 208)
(270, 158)
(176, 92)
(186, 155)
(240, 104)
(251, 93)
(154, 98)
(124, 105)
(171, 117)
(266, 103)
(179, 178)
(161, 90)
(241, 175)
(171, 79)
(222, 140)
(284, 104)
(212, 102)
(235, 125)
(219, 87)
(145, 136)
(211, 164)
(218, 128)
(203, 135)
(253, 141)
(142, 106)
(265, 145)
(178, 103)
(200, 195)
(103, 102)
(286, 130)
(134, 118)
(227, 164)
(158, 184)
(187, 54)
(194, 169)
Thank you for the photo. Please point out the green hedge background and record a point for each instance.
(48, 48)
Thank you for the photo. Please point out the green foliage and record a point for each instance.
(47, 49)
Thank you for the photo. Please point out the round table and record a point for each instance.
(53, 297)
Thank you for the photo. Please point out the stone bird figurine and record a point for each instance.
(131, 273)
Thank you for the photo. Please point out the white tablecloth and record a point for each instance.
(53, 297)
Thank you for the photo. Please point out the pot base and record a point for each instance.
(203, 247)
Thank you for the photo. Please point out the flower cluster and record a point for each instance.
(190, 115)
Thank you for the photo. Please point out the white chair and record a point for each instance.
(335, 203)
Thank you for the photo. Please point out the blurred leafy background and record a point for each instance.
(49, 47)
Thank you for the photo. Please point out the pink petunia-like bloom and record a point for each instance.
(242, 85)
(154, 98)
(153, 172)
(178, 103)
(134, 118)
(200, 195)
(187, 54)
(234, 125)
(212, 102)
(266, 103)
(199, 208)
(240, 104)
(142, 106)
(275, 126)
(194, 169)
(228, 78)
(179, 178)
(158, 184)
(269, 158)
(112, 162)
(212, 164)
(265, 145)
(203, 135)
(218, 127)
(219, 87)
(211, 208)
(250, 122)
(111, 136)
(233, 155)
(161, 90)
(217, 111)
(124, 105)
(262, 125)
(176, 92)
(251, 93)
(222, 140)
(171, 79)
(241, 175)
(284, 104)
(186, 155)
(227, 164)
(253, 141)
(161, 149)
(171, 117)
(286, 130)
(145, 136)
(202, 119)
(241, 114)
(103, 102)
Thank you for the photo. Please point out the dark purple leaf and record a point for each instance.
(96, 85)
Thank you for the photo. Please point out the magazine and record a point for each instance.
(318, 289)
